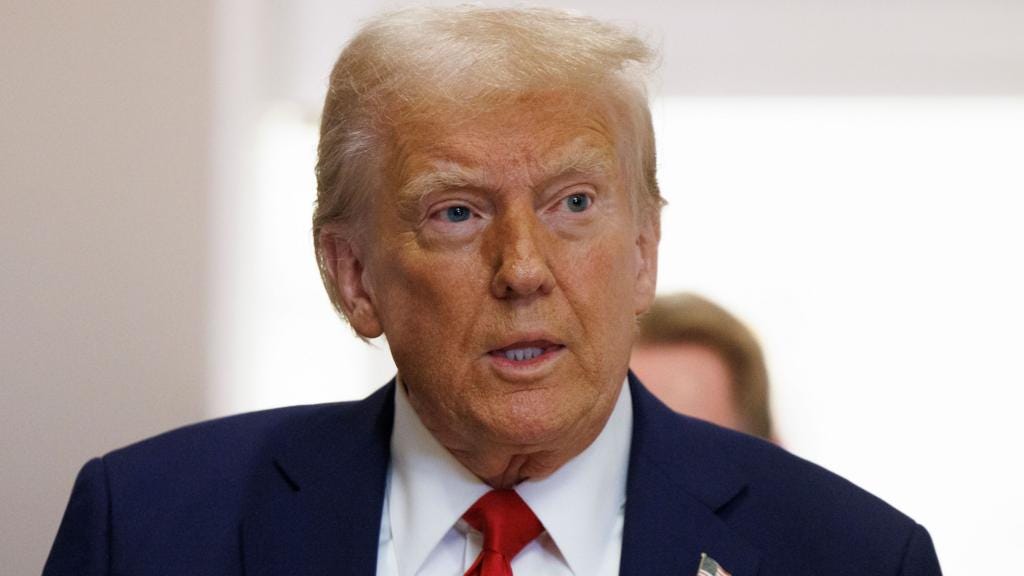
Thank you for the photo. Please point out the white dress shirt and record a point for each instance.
(581, 505)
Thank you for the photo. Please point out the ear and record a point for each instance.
(344, 263)
(648, 237)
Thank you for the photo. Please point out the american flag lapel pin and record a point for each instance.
(708, 567)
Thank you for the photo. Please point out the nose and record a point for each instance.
(521, 268)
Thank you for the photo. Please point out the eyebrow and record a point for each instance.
(450, 176)
(574, 158)
(578, 158)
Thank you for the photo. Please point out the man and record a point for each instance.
(701, 360)
(487, 201)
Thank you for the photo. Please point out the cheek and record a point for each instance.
(430, 298)
(601, 295)
(605, 270)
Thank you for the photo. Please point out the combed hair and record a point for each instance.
(422, 62)
(689, 318)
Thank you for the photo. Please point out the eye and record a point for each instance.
(457, 213)
(577, 202)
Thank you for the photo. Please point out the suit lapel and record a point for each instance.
(677, 483)
(323, 515)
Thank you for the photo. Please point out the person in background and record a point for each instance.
(701, 360)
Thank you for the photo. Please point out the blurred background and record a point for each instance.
(847, 177)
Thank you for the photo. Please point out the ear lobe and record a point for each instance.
(343, 262)
(647, 264)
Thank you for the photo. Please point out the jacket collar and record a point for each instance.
(321, 510)
(326, 519)
(680, 479)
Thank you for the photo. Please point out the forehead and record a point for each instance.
(536, 133)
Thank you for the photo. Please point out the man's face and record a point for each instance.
(692, 379)
(506, 266)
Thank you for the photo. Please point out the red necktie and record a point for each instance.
(507, 524)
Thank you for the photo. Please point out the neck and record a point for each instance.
(501, 469)
(502, 461)
(502, 452)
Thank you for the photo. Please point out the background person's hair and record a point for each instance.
(689, 318)
(422, 62)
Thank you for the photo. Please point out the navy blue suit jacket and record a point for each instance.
(299, 491)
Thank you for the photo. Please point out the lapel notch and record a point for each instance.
(323, 515)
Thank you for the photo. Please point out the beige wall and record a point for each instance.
(104, 130)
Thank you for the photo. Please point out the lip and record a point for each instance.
(520, 370)
(522, 339)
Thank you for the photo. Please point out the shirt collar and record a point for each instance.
(579, 504)
(429, 489)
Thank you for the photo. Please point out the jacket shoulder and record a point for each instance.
(220, 448)
(178, 499)
(805, 517)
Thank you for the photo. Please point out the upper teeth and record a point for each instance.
(520, 354)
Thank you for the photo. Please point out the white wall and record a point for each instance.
(104, 156)
(872, 243)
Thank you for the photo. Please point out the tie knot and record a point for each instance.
(506, 522)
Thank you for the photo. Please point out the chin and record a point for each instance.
(537, 424)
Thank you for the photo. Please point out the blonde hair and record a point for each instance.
(690, 318)
(420, 62)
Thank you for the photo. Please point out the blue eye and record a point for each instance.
(457, 213)
(577, 202)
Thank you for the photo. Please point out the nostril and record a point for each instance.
(522, 278)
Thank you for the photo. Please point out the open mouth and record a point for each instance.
(522, 353)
